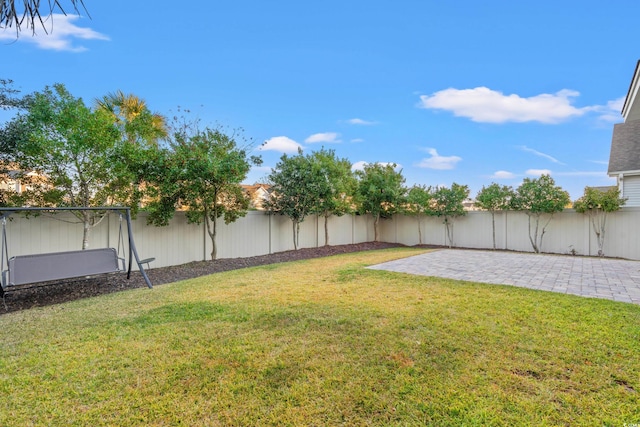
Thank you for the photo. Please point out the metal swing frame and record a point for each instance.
(48, 267)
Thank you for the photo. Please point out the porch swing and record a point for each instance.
(21, 270)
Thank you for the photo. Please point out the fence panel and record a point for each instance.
(50, 233)
(248, 236)
(177, 243)
(258, 233)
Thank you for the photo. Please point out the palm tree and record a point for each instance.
(10, 16)
(141, 130)
(133, 117)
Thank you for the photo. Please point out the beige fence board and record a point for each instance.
(258, 233)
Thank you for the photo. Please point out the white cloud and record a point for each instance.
(357, 140)
(282, 144)
(503, 175)
(538, 153)
(482, 104)
(357, 121)
(612, 112)
(329, 137)
(62, 33)
(358, 166)
(538, 172)
(616, 104)
(438, 162)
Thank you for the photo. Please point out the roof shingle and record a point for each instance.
(625, 147)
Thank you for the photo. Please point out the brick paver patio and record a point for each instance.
(613, 279)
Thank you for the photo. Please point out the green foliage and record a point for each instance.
(70, 145)
(597, 200)
(10, 134)
(335, 184)
(134, 119)
(539, 197)
(138, 152)
(418, 204)
(202, 173)
(494, 198)
(419, 199)
(447, 204)
(9, 97)
(380, 191)
(597, 203)
(297, 187)
(71, 148)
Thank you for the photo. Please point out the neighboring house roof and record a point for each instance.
(605, 188)
(625, 142)
(258, 193)
(625, 148)
(631, 108)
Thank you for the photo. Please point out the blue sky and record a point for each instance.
(467, 91)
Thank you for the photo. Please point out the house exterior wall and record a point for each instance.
(629, 187)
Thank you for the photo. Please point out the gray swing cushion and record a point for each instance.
(25, 269)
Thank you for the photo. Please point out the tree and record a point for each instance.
(70, 146)
(418, 204)
(10, 133)
(494, 198)
(295, 190)
(132, 115)
(9, 98)
(335, 186)
(201, 172)
(32, 13)
(597, 204)
(447, 204)
(13, 130)
(380, 191)
(141, 131)
(539, 198)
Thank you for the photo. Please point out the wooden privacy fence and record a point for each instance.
(568, 232)
(259, 234)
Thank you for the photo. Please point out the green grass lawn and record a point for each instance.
(323, 342)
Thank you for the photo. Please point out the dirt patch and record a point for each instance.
(39, 296)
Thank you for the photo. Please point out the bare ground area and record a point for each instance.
(39, 296)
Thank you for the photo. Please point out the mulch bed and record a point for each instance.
(40, 296)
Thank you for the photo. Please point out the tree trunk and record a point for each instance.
(419, 230)
(211, 230)
(535, 242)
(544, 230)
(599, 221)
(449, 229)
(86, 229)
(375, 228)
(295, 235)
(326, 230)
(493, 226)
